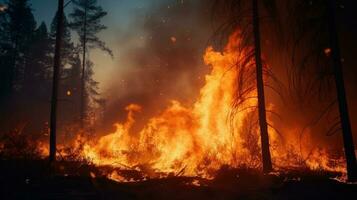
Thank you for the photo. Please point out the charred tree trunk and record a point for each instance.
(55, 83)
(267, 165)
(83, 82)
(341, 95)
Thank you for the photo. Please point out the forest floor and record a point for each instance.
(30, 180)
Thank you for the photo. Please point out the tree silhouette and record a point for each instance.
(25, 66)
(86, 18)
(38, 63)
(69, 87)
(266, 157)
(68, 48)
(55, 82)
(245, 15)
(19, 25)
(313, 25)
(341, 95)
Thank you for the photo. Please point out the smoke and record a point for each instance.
(160, 59)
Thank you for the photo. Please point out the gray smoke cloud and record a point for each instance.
(161, 58)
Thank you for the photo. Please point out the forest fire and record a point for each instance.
(198, 140)
(167, 99)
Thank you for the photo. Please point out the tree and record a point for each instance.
(236, 17)
(68, 49)
(86, 18)
(56, 68)
(69, 74)
(91, 91)
(19, 28)
(341, 94)
(266, 157)
(314, 30)
(70, 90)
(25, 57)
(72, 84)
(38, 63)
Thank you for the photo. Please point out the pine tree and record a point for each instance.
(73, 83)
(70, 89)
(341, 95)
(68, 85)
(266, 157)
(90, 93)
(314, 70)
(86, 18)
(39, 61)
(25, 62)
(55, 82)
(67, 45)
(21, 30)
(236, 12)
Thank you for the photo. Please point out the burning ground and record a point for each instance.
(218, 130)
(198, 140)
(185, 127)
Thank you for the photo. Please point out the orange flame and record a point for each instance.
(199, 139)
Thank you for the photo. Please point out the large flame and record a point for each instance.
(193, 140)
(219, 129)
(214, 131)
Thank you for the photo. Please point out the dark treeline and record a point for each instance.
(26, 60)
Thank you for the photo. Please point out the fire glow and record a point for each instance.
(198, 140)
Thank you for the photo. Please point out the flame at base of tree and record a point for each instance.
(215, 131)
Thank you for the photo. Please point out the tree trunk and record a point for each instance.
(83, 82)
(267, 165)
(341, 95)
(55, 83)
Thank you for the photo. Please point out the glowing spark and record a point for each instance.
(2, 7)
(327, 51)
